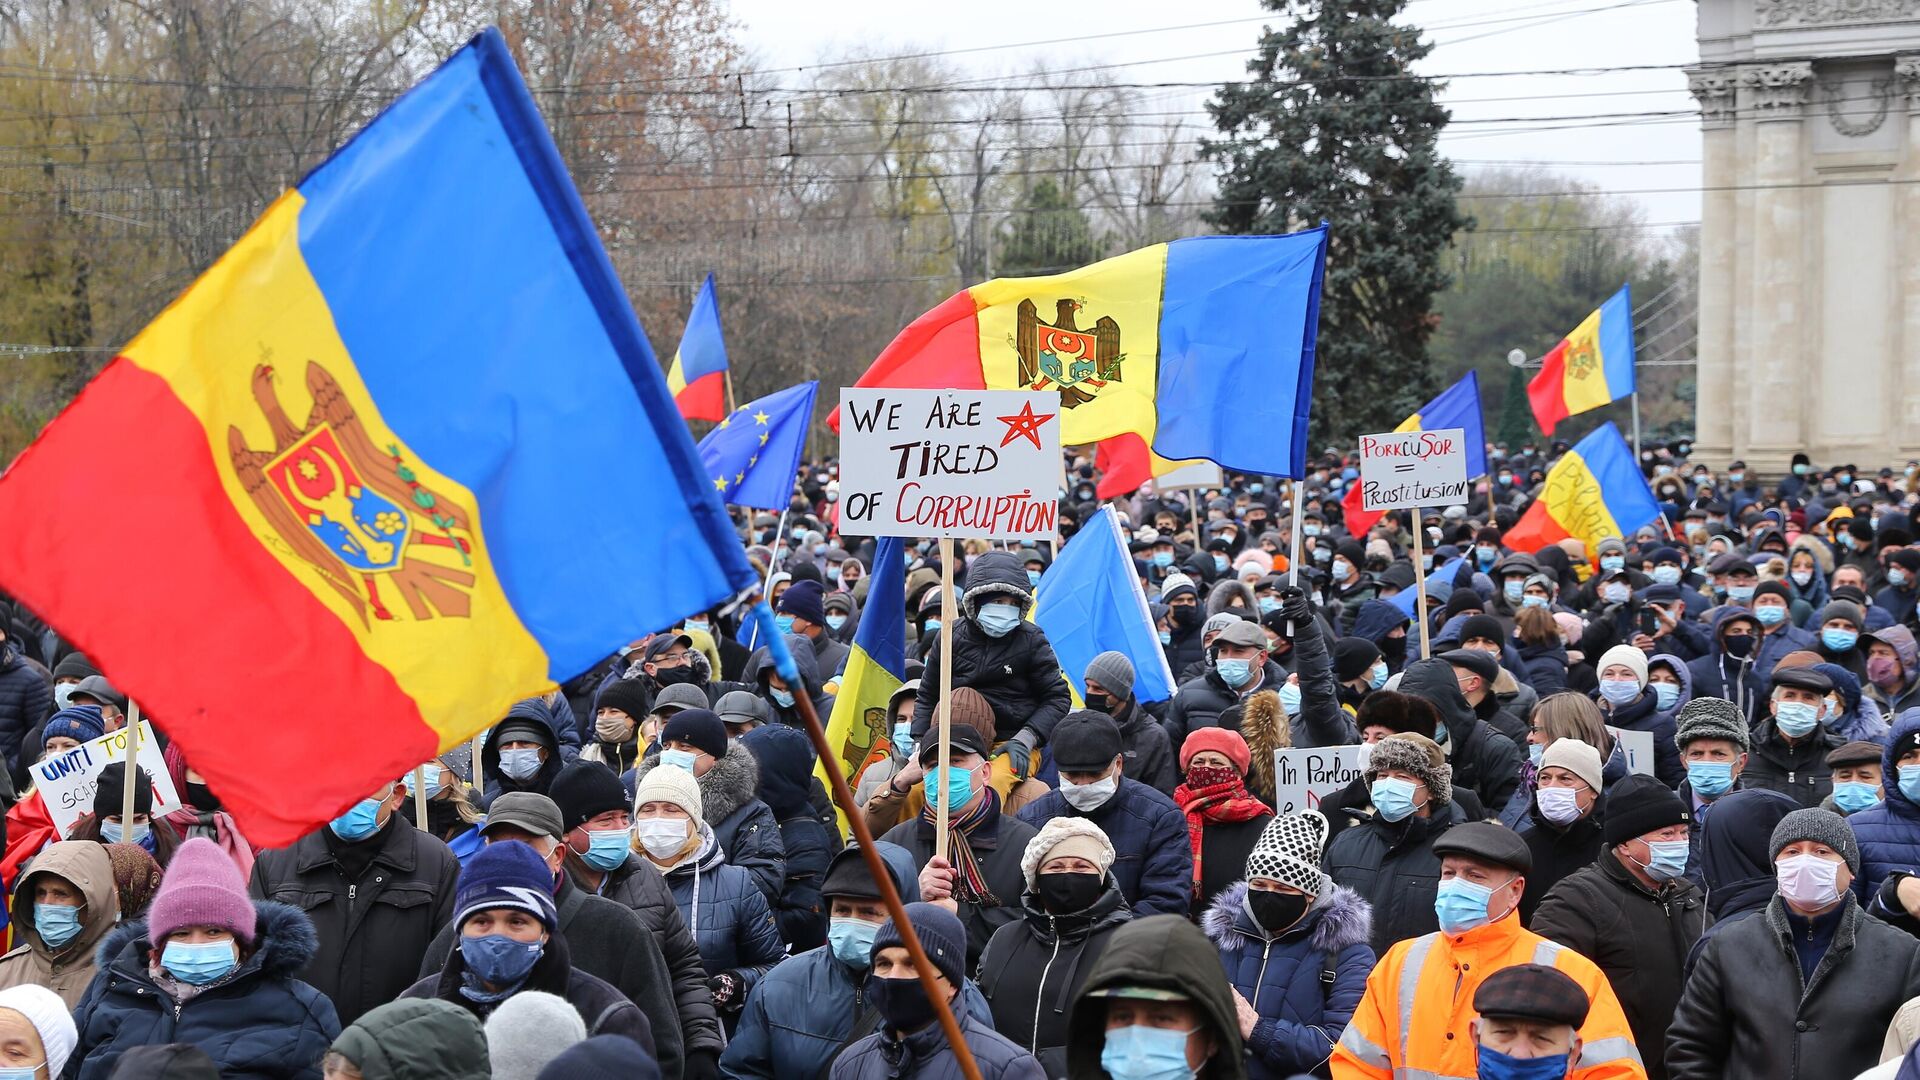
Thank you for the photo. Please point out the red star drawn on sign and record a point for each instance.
(1025, 425)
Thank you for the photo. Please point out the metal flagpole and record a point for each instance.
(1636, 429)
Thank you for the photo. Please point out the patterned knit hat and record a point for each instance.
(1067, 836)
(1288, 851)
(1416, 754)
(1711, 718)
(503, 874)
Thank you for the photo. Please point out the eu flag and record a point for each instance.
(751, 456)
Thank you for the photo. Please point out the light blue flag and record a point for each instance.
(1089, 601)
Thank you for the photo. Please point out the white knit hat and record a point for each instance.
(670, 784)
(1288, 851)
(49, 1016)
(1629, 655)
(1080, 836)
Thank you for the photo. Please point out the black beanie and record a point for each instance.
(629, 696)
(698, 728)
(1463, 599)
(1773, 588)
(1640, 804)
(583, 791)
(110, 797)
(1353, 657)
(1481, 626)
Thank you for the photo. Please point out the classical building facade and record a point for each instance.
(1810, 231)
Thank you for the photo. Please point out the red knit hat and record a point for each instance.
(1221, 741)
(201, 887)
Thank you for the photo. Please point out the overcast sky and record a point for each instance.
(1648, 155)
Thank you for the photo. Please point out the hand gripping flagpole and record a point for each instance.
(762, 618)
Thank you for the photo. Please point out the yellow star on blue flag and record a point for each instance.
(733, 453)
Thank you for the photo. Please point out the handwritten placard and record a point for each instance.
(66, 782)
(949, 463)
(1404, 469)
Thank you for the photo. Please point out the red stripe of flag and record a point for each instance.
(1548, 390)
(940, 350)
(705, 398)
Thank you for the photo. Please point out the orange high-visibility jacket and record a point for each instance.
(1412, 1023)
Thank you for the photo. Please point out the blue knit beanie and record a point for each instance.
(506, 874)
(81, 723)
(941, 935)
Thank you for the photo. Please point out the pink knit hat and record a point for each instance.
(202, 887)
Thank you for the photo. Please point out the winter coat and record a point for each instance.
(1017, 674)
(729, 917)
(1747, 1012)
(1158, 953)
(925, 1055)
(1800, 772)
(1149, 758)
(1641, 714)
(997, 846)
(604, 1010)
(1154, 867)
(1889, 833)
(1546, 667)
(417, 1040)
(1859, 719)
(1304, 983)
(606, 941)
(1031, 970)
(744, 826)
(1392, 866)
(637, 886)
(1783, 640)
(786, 762)
(1484, 761)
(1321, 721)
(258, 1023)
(1558, 854)
(1199, 702)
(1353, 804)
(373, 931)
(26, 700)
(67, 970)
(498, 783)
(1639, 937)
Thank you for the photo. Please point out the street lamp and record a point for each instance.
(1517, 358)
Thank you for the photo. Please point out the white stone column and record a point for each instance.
(1716, 368)
(1906, 417)
(1775, 97)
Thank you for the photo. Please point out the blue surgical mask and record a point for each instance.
(520, 763)
(1494, 1065)
(361, 820)
(1770, 615)
(1616, 592)
(1534, 753)
(607, 849)
(1166, 637)
(783, 623)
(114, 833)
(1796, 718)
(498, 960)
(1610, 563)
(998, 620)
(1139, 1052)
(1710, 779)
(57, 923)
(1485, 555)
(1309, 530)
(201, 963)
(1461, 905)
(1740, 593)
(836, 621)
(1534, 600)
(959, 786)
(1377, 677)
(1392, 797)
(1667, 859)
(679, 759)
(700, 625)
(1620, 691)
(1514, 589)
(1220, 562)
(1909, 782)
(1235, 673)
(782, 698)
(429, 775)
(1269, 604)
(1853, 796)
(1033, 577)
(1163, 559)
(1666, 575)
(1341, 569)
(63, 695)
(1837, 640)
(1665, 694)
(931, 626)
(1290, 698)
(852, 941)
(903, 738)
(1896, 575)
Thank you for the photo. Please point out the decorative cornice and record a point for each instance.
(1776, 91)
(1717, 90)
(1779, 13)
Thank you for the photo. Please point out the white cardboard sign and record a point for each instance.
(966, 464)
(1404, 469)
(66, 782)
(1301, 778)
(1194, 474)
(1638, 746)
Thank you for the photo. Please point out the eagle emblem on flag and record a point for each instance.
(1079, 362)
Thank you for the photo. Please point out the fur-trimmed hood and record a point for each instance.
(1264, 726)
(733, 782)
(284, 942)
(1339, 918)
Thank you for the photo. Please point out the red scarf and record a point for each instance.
(1223, 801)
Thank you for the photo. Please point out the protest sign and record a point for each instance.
(974, 464)
(66, 782)
(1404, 469)
(1193, 474)
(1301, 778)
(1638, 746)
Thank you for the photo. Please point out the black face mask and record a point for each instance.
(1100, 703)
(1737, 647)
(1185, 614)
(1064, 894)
(674, 676)
(1276, 912)
(902, 1003)
(200, 798)
(1393, 648)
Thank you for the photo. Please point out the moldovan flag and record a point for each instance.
(1203, 347)
(1589, 368)
(1090, 601)
(697, 378)
(1458, 406)
(1594, 491)
(876, 666)
(327, 476)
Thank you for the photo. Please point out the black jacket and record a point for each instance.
(1162, 952)
(1484, 761)
(998, 846)
(1557, 854)
(1018, 674)
(1149, 758)
(1199, 702)
(786, 760)
(605, 940)
(1640, 938)
(925, 1055)
(640, 888)
(603, 1009)
(1154, 865)
(1392, 866)
(26, 700)
(1746, 1011)
(372, 931)
(1801, 773)
(1032, 968)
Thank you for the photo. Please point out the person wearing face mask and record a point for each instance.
(1031, 969)
(1727, 669)
(377, 890)
(1149, 757)
(1893, 658)
(1838, 640)
(1484, 760)
(1349, 585)
(1387, 856)
(1185, 620)
(878, 776)
(1420, 995)
(1223, 819)
(1851, 715)
(507, 939)
(1156, 876)
(37, 1035)
(843, 616)
(1240, 666)
(1157, 1005)
(618, 714)
(1889, 830)
(903, 797)
(780, 696)
(1790, 748)
(1627, 701)
(696, 742)
(1477, 672)
(1294, 946)
(522, 752)
(211, 967)
(1778, 636)
(910, 1041)
(803, 613)
(1358, 669)
(157, 835)
(1857, 778)
(61, 909)
(1902, 576)
(1632, 911)
(1007, 659)
(1564, 829)
(1807, 987)
(1529, 1024)
(786, 760)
